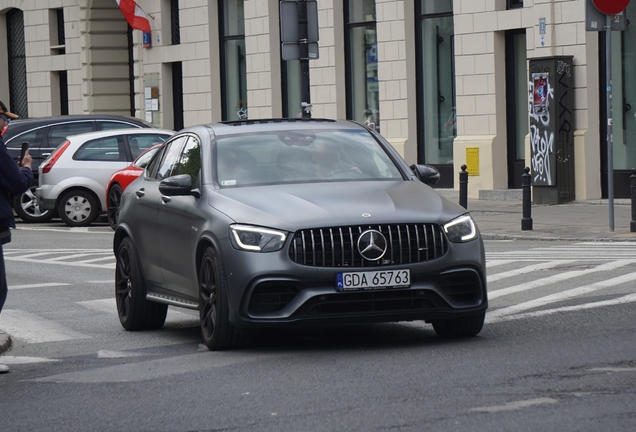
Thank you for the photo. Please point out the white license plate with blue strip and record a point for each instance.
(371, 280)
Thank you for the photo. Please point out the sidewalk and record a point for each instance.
(579, 220)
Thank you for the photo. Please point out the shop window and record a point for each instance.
(56, 29)
(361, 47)
(233, 60)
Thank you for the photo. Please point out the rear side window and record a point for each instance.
(59, 132)
(102, 149)
(34, 138)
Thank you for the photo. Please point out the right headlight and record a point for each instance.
(461, 229)
(256, 239)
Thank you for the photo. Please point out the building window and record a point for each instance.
(233, 68)
(17, 63)
(514, 4)
(175, 28)
(436, 82)
(56, 30)
(363, 102)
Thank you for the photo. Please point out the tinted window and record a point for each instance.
(59, 132)
(144, 159)
(102, 149)
(190, 160)
(112, 125)
(34, 138)
(140, 143)
(170, 158)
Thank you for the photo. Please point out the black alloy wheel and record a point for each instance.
(27, 208)
(460, 327)
(217, 332)
(78, 208)
(114, 203)
(135, 312)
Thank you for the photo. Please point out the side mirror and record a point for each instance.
(179, 185)
(426, 174)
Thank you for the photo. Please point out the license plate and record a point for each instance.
(373, 280)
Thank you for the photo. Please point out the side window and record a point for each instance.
(140, 143)
(112, 125)
(190, 160)
(102, 149)
(59, 132)
(34, 138)
(170, 158)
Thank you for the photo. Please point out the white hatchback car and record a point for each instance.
(74, 177)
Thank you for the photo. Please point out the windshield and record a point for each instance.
(301, 156)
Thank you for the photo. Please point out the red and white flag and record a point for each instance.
(136, 16)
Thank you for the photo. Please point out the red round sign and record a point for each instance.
(611, 7)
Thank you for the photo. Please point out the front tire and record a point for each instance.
(27, 208)
(114, 202)
(460, 327)
(78, 208)
(135, 312)
(214, 311)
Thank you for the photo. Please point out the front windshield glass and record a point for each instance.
(301, 156)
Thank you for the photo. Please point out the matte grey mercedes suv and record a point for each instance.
(293, 222)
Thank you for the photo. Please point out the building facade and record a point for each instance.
(446, 82)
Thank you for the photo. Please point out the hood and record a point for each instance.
(300, 206)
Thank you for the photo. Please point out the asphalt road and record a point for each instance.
(557, 353)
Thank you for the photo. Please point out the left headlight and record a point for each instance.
(461, 229)
(256, 239)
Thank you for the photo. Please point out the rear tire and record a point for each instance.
(135, 312)
(78, 208)
(214, 310)
(460, 327)
(27, 208)
(114, 202)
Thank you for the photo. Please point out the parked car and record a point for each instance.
(293, 222)
(121, 179)
(74, 177)
(44, 135)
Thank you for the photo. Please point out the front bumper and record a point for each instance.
(268, 290)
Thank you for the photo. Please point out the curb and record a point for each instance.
(5, 342)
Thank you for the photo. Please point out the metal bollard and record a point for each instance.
(463, 188)
(526, 220)
(632, 188)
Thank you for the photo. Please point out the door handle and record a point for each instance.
(165, 199)
(141, 192)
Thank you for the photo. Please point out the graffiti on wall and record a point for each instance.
(541, 96)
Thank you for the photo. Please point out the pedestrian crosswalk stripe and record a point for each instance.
(630, 298)
(526, 269)
(41, 285)
(34, 329)
(495, 263)
(493, 294)
(563, 295)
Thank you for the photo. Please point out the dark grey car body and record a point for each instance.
(296, 285)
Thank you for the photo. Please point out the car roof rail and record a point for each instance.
(275, 120)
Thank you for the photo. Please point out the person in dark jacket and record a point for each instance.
(13, 181)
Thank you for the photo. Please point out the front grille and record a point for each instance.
(337, 246)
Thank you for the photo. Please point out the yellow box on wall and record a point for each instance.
(472, 161)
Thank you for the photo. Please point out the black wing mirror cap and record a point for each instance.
(179, 185)
(426, 174)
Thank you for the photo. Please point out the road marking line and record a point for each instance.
(564, 295)
(110, 281)
(111, 257)
(495, 263)
(34, 329)
(69, 257)
(630, 298)
(110, 266)
(118, 354)
(42, 285)
(613, 369)
(557, 278)
(13, 360)
(526, 269)
(513, 406)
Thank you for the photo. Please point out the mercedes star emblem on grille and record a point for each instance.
(372, 245)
